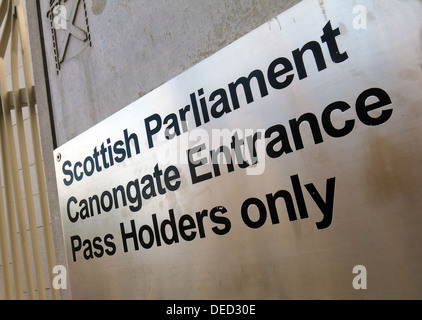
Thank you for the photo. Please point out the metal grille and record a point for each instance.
(26, 247)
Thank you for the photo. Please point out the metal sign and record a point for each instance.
(283, 166)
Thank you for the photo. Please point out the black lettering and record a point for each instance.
(71, 218)
(326, 206)
(115, 197)
(195, 109)
(106, 207)
(148, 190)
(170, 175)
(173, 238)
(318, 55)
(262, 213)
(89, 171)
(111, 247)
(84, 212)
(134, 138)
(185, 227)
(76, 244)
(91, 201)
(300, 200)
(281, 139)
(132, 234)
(119, 151)
(200, 215)
(313, 123)
(174, 125)
(157, 175)
(237, 145)
(220, 220)
(204, 107)
(135, 200)
(78, 177)
(329, 37)
(251, 142)
(150, 243)
(99, 251)
(110, 153)
(152, 131)
(156, 231)
(273, 75)
(193, 164)
(223, 101)
(97, 164)
(271, 200)
(227, 156)
(246, 83)
(88, 254)
(362, 109)
(67, 172)
(103, 152)
(182, 115)
(328, 125)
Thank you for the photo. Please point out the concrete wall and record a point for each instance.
(138, 45)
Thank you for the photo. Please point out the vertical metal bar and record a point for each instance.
(27, 180)
(5, 10)
(5, 139)
(13, 23)
(7, 274)
(37, 152)
(10, 209)
(7, 128)
(25, 166)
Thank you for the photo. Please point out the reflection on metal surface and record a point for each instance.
(268, 170)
